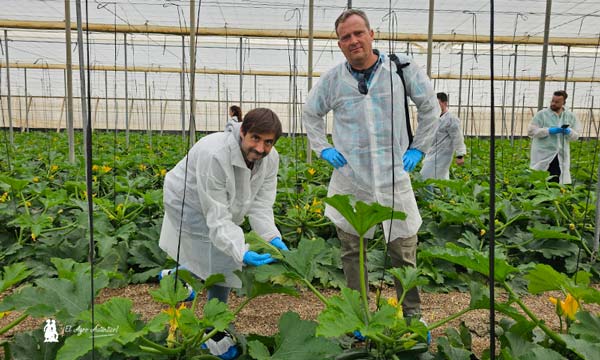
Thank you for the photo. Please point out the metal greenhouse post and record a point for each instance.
(567, 67)
(126, 94)
(82, 95)
(430, 37)
(241, 70)
(460, 77)
(192, 73)
(544, 55)
(514, 94)
(10, 124)
(26, 106)
(182, 84)
(310, 65)
(69, 82)
(106, 98)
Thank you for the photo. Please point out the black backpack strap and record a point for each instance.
(399, 68)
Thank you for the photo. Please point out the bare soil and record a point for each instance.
(262, 314)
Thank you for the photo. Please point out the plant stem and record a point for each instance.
(13, 323)
(361, 267)
(316, 292)
(448, 319)
(241, 306)
(162, 349)
(551, 334)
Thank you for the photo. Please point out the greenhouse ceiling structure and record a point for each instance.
(264, 52)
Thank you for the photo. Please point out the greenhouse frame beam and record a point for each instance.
(292, 33)
(46, 66)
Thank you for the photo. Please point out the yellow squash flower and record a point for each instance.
(571, 226)
(142, 167)
(53, 168)
(36, 179)
(95, 167)
(106, 168)
(163, 172)
(481, 232)
(568, 307)
(312, 171)
(174, 315)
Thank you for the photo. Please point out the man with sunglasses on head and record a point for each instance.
(371, 151)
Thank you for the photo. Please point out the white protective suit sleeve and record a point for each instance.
(420, 91)
(458, 140)
(227, 236)
(313, 113)
(260, 213)
(535, 129)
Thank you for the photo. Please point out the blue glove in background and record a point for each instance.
(256, 259)
(411, 158)
(278, 243)
(567, 131)
(334, 157)
(555, 130)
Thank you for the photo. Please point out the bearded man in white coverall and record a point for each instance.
(368, 152)
(448, 140)
(552, 129)
(230, 175)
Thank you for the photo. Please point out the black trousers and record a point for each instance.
(554, 170)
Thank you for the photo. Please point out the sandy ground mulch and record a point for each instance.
(262, 314)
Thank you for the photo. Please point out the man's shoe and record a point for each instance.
(222, 345)
(191, 291)
(428, 332)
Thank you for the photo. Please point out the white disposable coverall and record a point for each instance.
(220, 192)
(545, 147)
(448, 139)
(362, 132)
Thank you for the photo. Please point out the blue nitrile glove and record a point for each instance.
(334, 157)
(358, 335)
(555, 130)
(567, 131)
(278, 243)
(256, 259)
(411, 158)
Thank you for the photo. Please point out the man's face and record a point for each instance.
(443, 105)
(557, 103)
(256, 146)
(356, 41)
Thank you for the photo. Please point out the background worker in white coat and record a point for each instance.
(448, 140)
(230, 175)
(552, 129)
(371, 157)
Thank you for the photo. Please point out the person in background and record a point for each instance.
(371, 156)
(551, 130)
(448, 140)
(225, 177)
(235, 115)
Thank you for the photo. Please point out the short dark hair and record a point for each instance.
(561, 93)
(443, 97)
(347, 13)
(262, 121)
(237, 111)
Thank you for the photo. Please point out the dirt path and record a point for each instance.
(261, 315)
